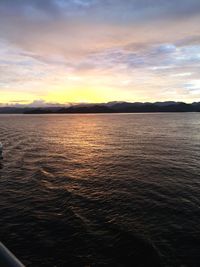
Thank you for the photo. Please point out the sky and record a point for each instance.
(68, 51)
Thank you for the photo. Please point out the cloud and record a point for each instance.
(111, 10)
(37, 103)
(57, 26)
(42, 103)
(131, 45)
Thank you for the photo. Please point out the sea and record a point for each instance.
(101, 189)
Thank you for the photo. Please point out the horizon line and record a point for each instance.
(45, 104)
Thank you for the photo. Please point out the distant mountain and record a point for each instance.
(74, 109)
(110, 107)
(166, 103)
(12, 110)
(24, 110)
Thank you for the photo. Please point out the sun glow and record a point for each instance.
(78, 94)
(11, 96)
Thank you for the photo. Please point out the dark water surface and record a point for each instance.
(101, 190)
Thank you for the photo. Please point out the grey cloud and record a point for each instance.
(190, 40)
(20, 6)
(161, 60)
(56, 25)
(122, 10)
(35, 103)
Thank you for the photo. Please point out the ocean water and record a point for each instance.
(101, 190)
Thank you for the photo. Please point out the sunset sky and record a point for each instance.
(60, 51)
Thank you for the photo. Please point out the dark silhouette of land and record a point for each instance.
(111, 107)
